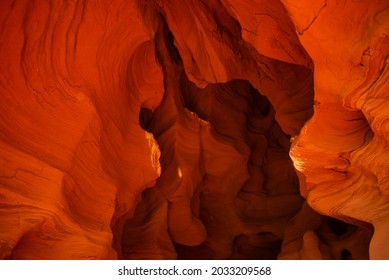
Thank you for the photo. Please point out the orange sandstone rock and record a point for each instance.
(162, 129)
(349, 45)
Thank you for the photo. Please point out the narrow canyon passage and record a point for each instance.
(194, 129)
(226, 174)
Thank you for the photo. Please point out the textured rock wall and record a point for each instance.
(162, 129)
(350, 181)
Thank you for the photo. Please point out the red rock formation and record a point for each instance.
(350, 181)
(162, 129)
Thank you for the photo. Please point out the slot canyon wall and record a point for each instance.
(189, 129)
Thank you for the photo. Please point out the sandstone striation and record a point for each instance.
(194, 129)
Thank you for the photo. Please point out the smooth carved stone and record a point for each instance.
(348, 131)
(194, 129)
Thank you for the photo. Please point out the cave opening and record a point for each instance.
(240, 117)
(238, 170)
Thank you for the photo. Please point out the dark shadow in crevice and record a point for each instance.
(346, 255)
(172, 49)
(200, 252)
(338, 227)
(145, 116)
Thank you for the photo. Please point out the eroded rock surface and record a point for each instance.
(194, 129)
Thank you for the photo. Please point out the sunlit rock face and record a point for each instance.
(194, 129)
(349, 130)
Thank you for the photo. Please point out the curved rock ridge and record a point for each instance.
(351, 82)
(74, 158)
(194, 129)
